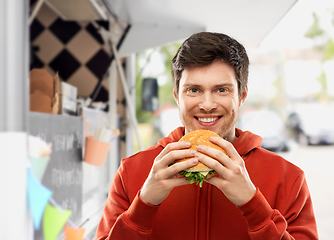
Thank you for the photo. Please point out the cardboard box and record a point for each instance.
(65, 99)
(50, 95)
(41, 91)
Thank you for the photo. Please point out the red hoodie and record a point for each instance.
(280, 209)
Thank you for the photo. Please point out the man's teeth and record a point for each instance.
(207, 119)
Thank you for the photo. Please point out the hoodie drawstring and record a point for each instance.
(208, 212)
(198, 194)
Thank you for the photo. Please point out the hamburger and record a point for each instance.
(200, 172)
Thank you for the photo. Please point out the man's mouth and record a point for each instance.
(207, 120)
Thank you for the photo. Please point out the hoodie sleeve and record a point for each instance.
(122, 219)
(295, 221)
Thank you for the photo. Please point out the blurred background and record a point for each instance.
(116, 57)
(290, 101)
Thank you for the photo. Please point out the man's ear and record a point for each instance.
(175, 97)
(243, 96)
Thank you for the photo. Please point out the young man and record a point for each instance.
(256, 194)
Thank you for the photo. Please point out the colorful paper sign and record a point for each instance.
(53, 221)
(38, 197)
(39, 165)
(74, 233)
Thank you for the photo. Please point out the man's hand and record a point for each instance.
(233, 178)
(162, 179)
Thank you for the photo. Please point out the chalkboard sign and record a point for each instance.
(63, 175)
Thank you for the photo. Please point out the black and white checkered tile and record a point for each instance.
(74, 49)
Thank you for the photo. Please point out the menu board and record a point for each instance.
(64, 173)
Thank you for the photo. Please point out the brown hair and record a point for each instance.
(201, 49)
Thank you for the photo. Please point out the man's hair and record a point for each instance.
(201, 49)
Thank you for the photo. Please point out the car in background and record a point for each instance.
(312, 123)
(268, 125)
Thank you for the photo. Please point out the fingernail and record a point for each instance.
(193, 152)
(195, 160)
(199, 147)
(213, 138)
(188, 144)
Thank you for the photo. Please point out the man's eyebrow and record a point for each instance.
(225, 85)
(190, 85)
(231, 85)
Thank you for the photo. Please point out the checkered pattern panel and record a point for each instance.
(74, 49)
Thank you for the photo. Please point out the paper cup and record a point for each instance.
(96, 151)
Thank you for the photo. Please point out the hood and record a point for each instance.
(245, 142)
(174, 136)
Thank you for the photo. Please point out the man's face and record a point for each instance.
(208, 99)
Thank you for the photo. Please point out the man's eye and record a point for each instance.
(222, 90)
(192, 90)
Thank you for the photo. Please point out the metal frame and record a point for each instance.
(14, 102)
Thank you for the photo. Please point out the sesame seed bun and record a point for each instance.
(196, 138)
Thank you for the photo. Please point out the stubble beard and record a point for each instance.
(227, 131)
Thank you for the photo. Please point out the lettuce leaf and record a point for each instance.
(195, 177)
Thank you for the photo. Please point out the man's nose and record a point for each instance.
(207, 102)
